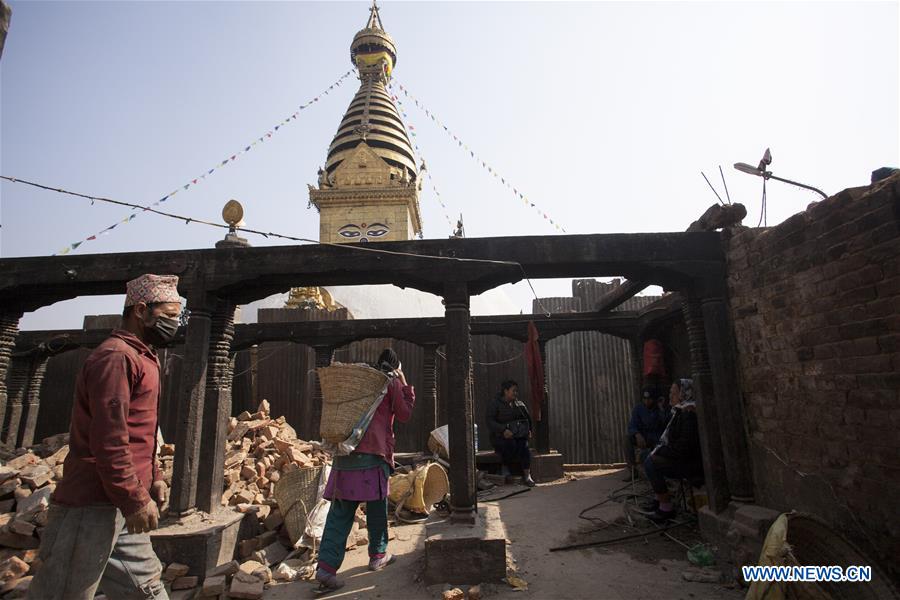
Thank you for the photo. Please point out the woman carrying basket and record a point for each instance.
(362, 476)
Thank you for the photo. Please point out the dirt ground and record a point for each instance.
(536, 521)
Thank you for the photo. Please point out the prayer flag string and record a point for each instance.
(460, 144)
(231, 158)
(415, 144)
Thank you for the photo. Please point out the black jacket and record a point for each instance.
(500, 414)
(683, 439)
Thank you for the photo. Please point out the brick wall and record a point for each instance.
(816, 309)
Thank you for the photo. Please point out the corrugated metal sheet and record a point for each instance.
(495, 359)
(591, 382)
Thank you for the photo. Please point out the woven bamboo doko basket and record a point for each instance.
(348, 391)
(296, 493)
(429, 485)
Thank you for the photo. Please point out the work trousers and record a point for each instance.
(89, 546)
(338, 524)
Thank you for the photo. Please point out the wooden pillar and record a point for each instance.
(33, 397)
(542, 441)
(637, 365)
(710, 439)
(9, 328)
(463, 491)
(324, 356)
(429, 397)
(729, 404)
(254, 374)
(191, 395)
(216, 409)
(19, 369)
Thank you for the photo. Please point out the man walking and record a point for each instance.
(108, 499)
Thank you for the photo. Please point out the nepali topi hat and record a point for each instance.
(151, 289)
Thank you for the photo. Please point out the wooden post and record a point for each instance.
(216, 409)
(33, 397)
(729, 404)
(710, 440)
(254, 374)
(191, 395)
(324, 356)
(429, 398)
(19, 369)
(9, 328)
(463, 491)
(637, 365)
(542, 441)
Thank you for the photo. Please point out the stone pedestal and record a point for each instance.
(737, 533)
(202, 544)
(466, 554)
(547, 467)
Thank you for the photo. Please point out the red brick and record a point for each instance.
(858, 295)
(866, 364)
(873, 398)
(888, 287)
(879, 380)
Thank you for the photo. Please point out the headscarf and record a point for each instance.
(687, 392)
(687, 401)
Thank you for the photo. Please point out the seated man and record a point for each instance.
(678, 453)
(648, 420)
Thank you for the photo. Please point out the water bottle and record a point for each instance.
(476, 438)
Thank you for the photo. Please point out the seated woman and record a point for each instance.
(678, 453)
(510, 426)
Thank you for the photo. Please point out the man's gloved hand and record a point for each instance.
(144, 520)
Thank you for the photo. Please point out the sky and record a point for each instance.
(602, 114)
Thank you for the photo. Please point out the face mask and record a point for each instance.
(161, 331)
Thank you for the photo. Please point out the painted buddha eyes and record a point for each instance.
(350, 231)
(376, 230)
(364, 231)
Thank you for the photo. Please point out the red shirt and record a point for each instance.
(112, 443)
(379, 437)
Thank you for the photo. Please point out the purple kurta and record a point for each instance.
(361, 485)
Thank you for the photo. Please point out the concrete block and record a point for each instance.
(547, 467)
(201, 545)
(458, 553)
(755, 518)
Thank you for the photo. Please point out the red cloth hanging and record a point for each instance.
(535, 371)
(654, 358)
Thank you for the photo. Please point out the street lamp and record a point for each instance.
(761, 171)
